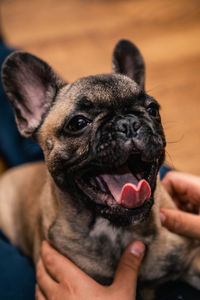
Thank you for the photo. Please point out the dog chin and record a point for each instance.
(121, 216)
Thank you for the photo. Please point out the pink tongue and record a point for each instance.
(133, 196)
(127, 190)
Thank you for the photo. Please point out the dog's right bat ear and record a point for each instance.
(31, 86)
(128, 60)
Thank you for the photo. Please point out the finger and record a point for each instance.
(46, 284)
(38, 294)
(127, 271)
(185, 187)
(61, 267)
(181, 222)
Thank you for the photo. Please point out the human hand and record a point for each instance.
(58, 278)
(185, 190)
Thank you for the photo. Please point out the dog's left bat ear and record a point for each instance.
(128, 60)
(31, 86)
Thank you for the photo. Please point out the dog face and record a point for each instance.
(101, 135)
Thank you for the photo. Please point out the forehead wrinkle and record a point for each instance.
(84, 104)
(107, 90)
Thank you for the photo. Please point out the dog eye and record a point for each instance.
(153, 111)
(77, 123)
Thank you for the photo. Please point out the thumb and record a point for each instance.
(181, 222)
(127, 271)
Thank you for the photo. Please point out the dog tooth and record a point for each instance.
(138, 176)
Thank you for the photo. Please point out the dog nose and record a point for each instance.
(128, 126)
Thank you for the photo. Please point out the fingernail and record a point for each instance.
(162, 217)
(137, 248)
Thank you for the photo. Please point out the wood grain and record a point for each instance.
(77, 37)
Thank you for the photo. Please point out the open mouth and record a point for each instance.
(126, 190)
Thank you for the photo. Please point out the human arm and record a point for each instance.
(59, 278)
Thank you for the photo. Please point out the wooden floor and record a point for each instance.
(77, 37)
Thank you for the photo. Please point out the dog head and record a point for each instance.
(102, 135)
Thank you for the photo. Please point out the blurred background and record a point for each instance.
(77, 38)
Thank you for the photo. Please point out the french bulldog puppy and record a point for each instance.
(98, 189)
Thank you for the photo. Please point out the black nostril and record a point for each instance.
(123, 126)
(135, 126)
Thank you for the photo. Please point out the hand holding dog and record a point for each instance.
(185, 190)
(59, 278)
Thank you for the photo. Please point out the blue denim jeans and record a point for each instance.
(17, 273)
